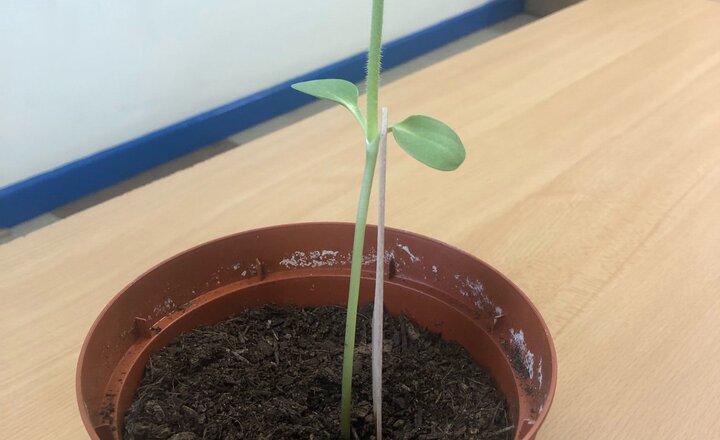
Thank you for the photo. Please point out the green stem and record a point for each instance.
(373, 69)
(354, 292)
(371, 136)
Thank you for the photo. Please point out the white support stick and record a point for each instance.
(377, 330)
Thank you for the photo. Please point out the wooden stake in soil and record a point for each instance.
(377, 329)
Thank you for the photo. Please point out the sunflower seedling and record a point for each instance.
(426, 139)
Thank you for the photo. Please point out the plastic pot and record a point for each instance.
(437, 286)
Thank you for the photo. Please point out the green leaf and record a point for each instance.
(430, 141)
(343, 92)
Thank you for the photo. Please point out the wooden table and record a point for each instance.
(592, 180)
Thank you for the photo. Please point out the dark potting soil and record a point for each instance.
(275, 373)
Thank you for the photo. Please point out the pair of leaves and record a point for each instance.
(426, 139)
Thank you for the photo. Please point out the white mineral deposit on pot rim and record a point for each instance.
(518, 338)
(318, 258)
(407, 250)
(329, 258)
(540, 374)
(166, 306)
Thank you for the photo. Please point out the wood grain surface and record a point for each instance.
(592, 180)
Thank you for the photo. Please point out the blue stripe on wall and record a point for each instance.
(26, 199)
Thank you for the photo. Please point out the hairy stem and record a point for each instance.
(373, 69)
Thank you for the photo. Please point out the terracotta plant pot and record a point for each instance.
(439, 287)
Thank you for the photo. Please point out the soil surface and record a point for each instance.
(275, 373)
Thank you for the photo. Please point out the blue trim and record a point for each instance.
(26, 199)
